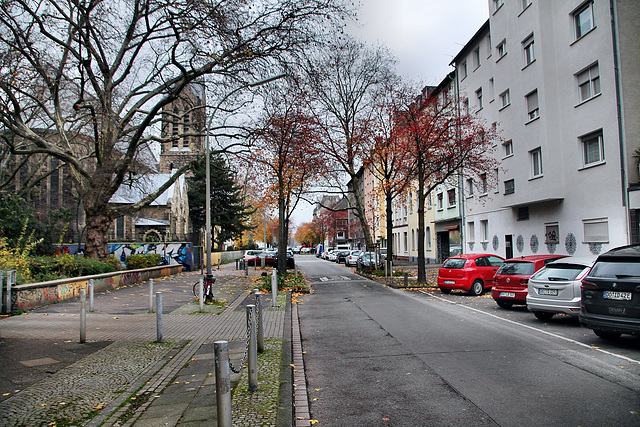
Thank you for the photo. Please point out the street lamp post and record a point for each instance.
(209, 275)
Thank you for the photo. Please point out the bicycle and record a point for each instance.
(207, 289)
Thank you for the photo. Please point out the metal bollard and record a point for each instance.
(406, 279)
(246, 268)
(150, 295)
(237, 262)
(83, 315)
(258, 296)
(158, 316)
(91, 306)
(1, 286)
(201, 293)
(11, 280)
(274, 288)
(223, 383)
(252, 354)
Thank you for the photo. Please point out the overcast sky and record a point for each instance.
(424, 36)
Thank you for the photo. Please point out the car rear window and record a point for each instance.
(618, 270)
(516, 269)
(559, 272)
(454, 263)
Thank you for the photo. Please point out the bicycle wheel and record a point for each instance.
(196, 291)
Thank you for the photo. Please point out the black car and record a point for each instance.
(342, 256)
(290, 260)
(611, 294)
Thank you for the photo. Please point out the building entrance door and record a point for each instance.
(508, 245)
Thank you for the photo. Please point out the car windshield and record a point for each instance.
(619, 270)
(454, 263)
(516, 268)
(559, 272)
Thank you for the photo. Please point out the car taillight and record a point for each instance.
(588, 286)
(524, 281)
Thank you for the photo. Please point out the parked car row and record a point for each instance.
(603, 292)
(254, 258)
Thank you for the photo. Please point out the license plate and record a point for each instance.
(620, 296)
(508, 294)
(553, 292)
(449, 282)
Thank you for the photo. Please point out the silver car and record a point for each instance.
(556, 288)
(352, 259)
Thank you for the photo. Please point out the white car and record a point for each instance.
(332, 256)
(556, 287)
(352, 259)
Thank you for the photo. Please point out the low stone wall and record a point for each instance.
(34, 295)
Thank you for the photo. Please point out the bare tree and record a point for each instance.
(346, 82)
(97, 74)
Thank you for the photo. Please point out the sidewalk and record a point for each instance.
(120, 376)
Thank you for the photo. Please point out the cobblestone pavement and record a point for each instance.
(121, 373)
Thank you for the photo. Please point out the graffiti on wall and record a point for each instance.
(172, 253)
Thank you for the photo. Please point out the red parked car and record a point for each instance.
(510, 284)
(470, 272)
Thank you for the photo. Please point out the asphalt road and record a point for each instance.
(380, 356)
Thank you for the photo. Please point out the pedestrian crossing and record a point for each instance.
(334, 278)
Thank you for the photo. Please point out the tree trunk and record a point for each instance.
(361, 214)
(97, 231)
(389, 221)
(422, 272)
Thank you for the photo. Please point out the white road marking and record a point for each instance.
(628, 359)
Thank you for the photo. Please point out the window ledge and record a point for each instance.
(502, 108)
(524, 10)
(498, 60)
(527, 66)
(587, 100)
(536, 177)
(498, 8)
(593, 165)
(532, 120)
(583, 36)
(506, 157)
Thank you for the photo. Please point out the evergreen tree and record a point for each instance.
(228, 211)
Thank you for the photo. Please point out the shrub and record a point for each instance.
(137, 261)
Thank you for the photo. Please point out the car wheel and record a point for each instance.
(445, 291)
(607, 335)
(505, 304)
(543, 315)
(476, 288)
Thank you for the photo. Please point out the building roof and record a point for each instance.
(151, 222)
(484, 29)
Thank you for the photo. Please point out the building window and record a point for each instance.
(484, 228)
(469, 187)
(483, 184)
(471, 232)
(489, 46)
(476, 58)
(532, 105)
(491, 89)
(428, 238)
(505, 99)
(451, 197)
(536, 162)
(588, 83)
(508, 148)
(596, 230)
(440, 201)
(523, 213)
(429, 205)
(497, 4)
(120, 228)
(584, 20)
(479, 99)
(410, 202)
(509, 186)
(463, 70)
(496, 175)
(528, 50)
(552, 233)
(501, 49)
(592, 148)
(413, 239)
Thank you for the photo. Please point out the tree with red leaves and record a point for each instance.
(286, 156)
(391, 157)
(446, 142)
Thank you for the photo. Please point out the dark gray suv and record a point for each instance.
(611, 294)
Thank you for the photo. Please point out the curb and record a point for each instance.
(285, 417)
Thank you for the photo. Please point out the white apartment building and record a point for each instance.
(560, 80)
